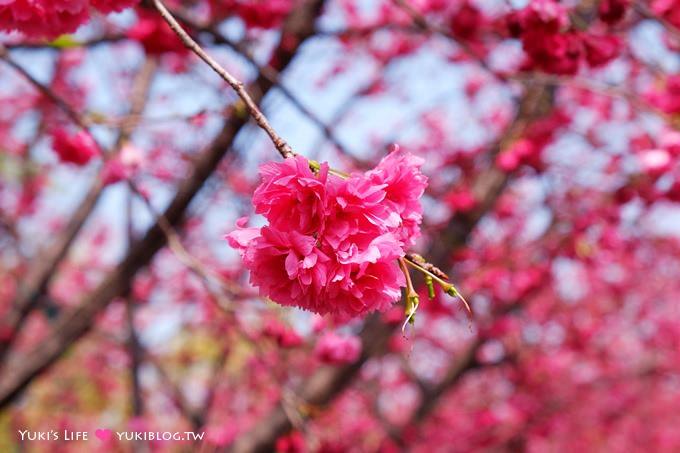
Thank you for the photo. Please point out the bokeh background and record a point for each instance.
(549, 136)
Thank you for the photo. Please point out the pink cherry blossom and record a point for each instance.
(332, 244)
(358, 213)
(43, 18)
(291, 443)
(337, 349)
(404, 186)
(287, 267)
(122, 166)
(612, 11)
(291, 197)
(284, 336)
(357, 289)
(76, 148)
(599, 50)
(155, 35)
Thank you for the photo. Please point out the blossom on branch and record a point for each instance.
(553, 44)
(332, 243)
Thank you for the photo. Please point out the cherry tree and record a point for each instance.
(341, 225)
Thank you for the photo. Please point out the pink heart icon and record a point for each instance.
(103, 434)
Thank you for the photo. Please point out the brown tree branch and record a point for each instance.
(134, 346)
(283, 148)
(274, 77)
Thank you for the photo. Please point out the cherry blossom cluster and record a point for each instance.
(656, 174)
(332, 243)
(528, 150)
(553, 45)
(78, 148)
(50, 18)
(155, 35)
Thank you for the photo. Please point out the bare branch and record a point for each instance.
(284, 149)
(273, 76)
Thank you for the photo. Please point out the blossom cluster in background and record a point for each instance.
(553, 45)
(51, 18)
(332, 243)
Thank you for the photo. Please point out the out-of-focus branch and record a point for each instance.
(361, 32)
(45, 263)
(77, 321)
(9, 226)
(208, 277)
(133, 344)
(204, 412)
(612, 91)
(175, 392)
(44, 90)
(464, 363)
(134, 349)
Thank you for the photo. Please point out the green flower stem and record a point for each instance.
(430, 286)
(412, 299)
(446, 286)
(315, 166)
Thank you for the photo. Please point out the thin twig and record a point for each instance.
(273, 76)
(175, 244)
(45, 90)
(283, 148)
